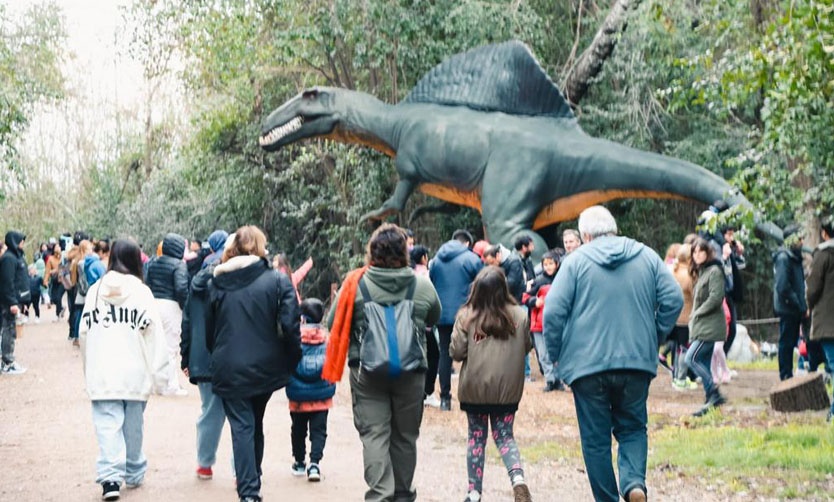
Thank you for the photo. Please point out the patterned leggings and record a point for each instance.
(502, 433)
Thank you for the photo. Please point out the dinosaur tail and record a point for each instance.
(628, 172)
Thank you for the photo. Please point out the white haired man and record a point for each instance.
(610, 303)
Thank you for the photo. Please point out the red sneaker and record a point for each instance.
(204, 473)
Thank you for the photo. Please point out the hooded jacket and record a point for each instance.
(706, 322)
(122, 343)
(216, 241)
(251, 328)
(14, 275)
(514, 271)
(452, 271)
(611, 301)
(820, 292)
(492, 375)
(193, 349)
(390, 285)
(93, 268)
(539, 290)
(307, 391)
(167, 275)
(789, 283)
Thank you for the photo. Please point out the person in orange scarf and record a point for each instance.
(389, 453)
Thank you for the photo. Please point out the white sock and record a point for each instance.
(474, 496)
(518, 479)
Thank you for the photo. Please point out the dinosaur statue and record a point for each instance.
(488, 129)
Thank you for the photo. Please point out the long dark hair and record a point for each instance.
(488, 306)
(700, 244)
(126, 258)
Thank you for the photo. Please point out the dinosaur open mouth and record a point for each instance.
(276, 133)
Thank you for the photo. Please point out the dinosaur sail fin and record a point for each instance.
(503, 77)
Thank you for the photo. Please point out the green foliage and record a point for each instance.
(30, 54)
(744, 92)
(776, 79)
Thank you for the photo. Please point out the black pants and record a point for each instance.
(246, 419)
(731, 331)
(433, 356)
(317, 421)
(56, 292)
(444, 369)
(788, 338)
(816, 356)
(36, 304)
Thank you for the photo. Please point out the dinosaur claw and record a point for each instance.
(378, 214)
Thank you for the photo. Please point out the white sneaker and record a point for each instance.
(13, 369)
(432, 401)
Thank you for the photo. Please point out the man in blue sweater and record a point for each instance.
(452, 271)
(610, 303)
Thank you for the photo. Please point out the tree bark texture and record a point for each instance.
(804, 392)
(592, 59)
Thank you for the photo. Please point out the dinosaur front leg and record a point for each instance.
(395, 203)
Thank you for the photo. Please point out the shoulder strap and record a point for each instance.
(409, 295)
(363, 288)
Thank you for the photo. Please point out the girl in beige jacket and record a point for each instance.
(491, 337)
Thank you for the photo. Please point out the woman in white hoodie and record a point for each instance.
(125, 359)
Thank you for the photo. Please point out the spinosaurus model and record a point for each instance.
(488, 129)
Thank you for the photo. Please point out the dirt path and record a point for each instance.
(48, 446)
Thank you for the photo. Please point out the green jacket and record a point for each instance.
(707, 322)
(820, 292)
(389, 285)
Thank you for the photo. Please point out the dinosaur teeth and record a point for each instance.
(281, 131)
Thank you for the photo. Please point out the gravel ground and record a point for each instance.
(48, 446)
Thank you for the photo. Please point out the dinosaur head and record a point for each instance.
(308, 114)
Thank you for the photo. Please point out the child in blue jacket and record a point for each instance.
(310, 396)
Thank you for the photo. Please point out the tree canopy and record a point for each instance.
(742, 87)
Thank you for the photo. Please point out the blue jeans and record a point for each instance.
(547, 367)
(613, 401)
(209, 425)
(828, 348)
(699, 360)
(788, 338)
(118, 427)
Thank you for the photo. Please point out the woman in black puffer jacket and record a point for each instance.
(252, 331)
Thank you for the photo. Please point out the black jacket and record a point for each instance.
(14, 277)
(252, 329)
(514, 270)
(167, 276)
(195, 354)
(789, 283)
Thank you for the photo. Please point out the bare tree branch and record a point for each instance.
(592, 59)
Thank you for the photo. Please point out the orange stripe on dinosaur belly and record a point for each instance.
(451, 194)
(557, 211)
(569, 208)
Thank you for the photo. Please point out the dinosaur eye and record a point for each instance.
(311, 94)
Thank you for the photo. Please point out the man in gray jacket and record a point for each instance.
(610, 303)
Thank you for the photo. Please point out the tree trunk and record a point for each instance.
(806, 392)
(590, 62)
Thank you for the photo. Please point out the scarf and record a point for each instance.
(337, 347)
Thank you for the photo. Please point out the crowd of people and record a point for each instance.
(230, 318)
